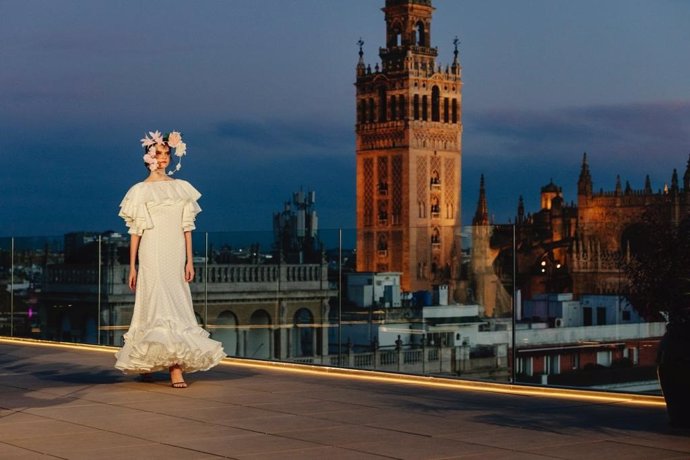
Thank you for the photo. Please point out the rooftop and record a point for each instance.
(59, 401)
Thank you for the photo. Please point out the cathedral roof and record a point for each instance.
(550, 187)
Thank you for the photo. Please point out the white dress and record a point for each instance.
(164, 330)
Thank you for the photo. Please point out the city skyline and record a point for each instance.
(264, 95)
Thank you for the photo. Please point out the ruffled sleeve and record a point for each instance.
(134, 212)
(191, 207)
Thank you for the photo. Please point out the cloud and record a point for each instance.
(617, 131)
(291, 137)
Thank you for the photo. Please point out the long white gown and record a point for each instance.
(164, 330)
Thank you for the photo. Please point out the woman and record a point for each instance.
(160, 214)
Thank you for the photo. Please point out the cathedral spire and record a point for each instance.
(686, 177)
(674, 180)
(481, 216)
(584, 183)
(520, 211)
(618, 185)
(647, 185)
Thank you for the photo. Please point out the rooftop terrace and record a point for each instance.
(58, 401)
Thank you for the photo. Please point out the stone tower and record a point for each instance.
(409, 153)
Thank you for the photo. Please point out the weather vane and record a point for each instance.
(360, 42)
(456, 42)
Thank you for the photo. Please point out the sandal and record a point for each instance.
(176, 378)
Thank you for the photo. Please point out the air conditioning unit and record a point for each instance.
(558, 322)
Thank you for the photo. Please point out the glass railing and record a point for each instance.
(467, 304)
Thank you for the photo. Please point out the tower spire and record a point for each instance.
(674, 180)
(455, 67)
(361, 68)
(584, 183)
(686, 177)
(520, 211)
(481, 216)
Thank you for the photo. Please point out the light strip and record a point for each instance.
(406, 379)
(454, 384)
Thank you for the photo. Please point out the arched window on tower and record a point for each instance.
(394, 108)
(363, 111)
(394, 35)
(435, 104)
(403, 107)
(446, 107)
(416, 106)
(382, 104)
(425, 108)
(372, 110)
(455, 111)
(421, 34)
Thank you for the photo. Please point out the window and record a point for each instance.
(382, 104)
(403, 107)
(371, 110)
(446, 104)
(601, 316)
(421, 34)
(587, 316)
(604, 358)
(394, 108)
(416, 106)
(425, 108)
(455, 111)
(435, 104)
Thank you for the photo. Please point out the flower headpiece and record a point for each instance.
(173, 140)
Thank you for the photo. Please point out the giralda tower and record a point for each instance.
(409, 152)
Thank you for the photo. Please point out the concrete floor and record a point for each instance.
(58, 402)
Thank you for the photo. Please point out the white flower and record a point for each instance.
(174, 139)
(153, 166)
(146, 142)
(157, 137)
(181, 149)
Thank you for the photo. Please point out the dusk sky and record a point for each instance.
(263, 93)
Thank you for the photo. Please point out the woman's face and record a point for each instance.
(163, 156)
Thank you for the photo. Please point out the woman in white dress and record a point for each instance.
(160, 213)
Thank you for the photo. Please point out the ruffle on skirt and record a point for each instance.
(165, 344)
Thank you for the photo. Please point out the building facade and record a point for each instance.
(408, 151)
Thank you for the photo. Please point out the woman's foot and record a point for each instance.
(146, 377)
(176, 378)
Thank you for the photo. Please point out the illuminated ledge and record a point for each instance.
(405, 379)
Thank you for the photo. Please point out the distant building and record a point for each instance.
(408, 151)
(579, 248)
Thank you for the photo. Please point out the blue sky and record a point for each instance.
(263, 92)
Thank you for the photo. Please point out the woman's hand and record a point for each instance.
(133, 279)
(189, 272)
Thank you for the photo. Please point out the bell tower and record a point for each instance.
(409, 151)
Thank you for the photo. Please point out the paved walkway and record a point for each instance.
(58, 402)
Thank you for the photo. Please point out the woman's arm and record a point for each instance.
(133, 249)
(189, 266)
